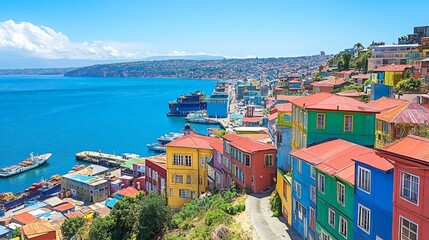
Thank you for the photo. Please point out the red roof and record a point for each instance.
(363, 76)
(374, 160)
(334, 82)
(333, 157)
(24, 218)
(246, 144)
(400, 111)
(273, 116)
(392, 68)
(194, 140)
(410, 146)
(252, 119)
(218, 146)
(63, 207)
(160, 160)
(384, 103)
(351, 93)
(74, 214)
(128, 192)
(285, 107)
(332, 102)
(286, 97)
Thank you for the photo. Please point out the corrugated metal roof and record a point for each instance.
(374, 160)
(37, 229)
(410, 146)
(246, 144)
(194, 140)
(285, 107)
(392, 68)
(24, 218)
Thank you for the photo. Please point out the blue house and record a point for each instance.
(304, 193)
(373, 197)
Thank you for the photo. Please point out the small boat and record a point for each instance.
(156, 147)
(27, 164)
(200, 118)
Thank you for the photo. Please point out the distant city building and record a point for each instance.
(419, 33)
(383, 55)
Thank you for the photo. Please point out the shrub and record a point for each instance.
(216, 217)
(276, 203)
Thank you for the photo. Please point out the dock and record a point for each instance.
(104, 159)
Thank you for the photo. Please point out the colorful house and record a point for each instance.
(329, 85)
(410, 156)
(282, 135)
(284, 189)
(40, 230)
(391, 74)
(335, 195)
(187, 172)
(215, 166)
(322, 116)
(295, 85)
(397, 118)
(156, 177)
(250, 164)
(373, 197)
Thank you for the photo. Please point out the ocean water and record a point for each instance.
(64, 115)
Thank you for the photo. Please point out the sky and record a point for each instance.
(46, 33)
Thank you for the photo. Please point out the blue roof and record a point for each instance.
(81, 178)
(4, 230)
(236, 116)
(110, 202)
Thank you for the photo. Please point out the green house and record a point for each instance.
(335, 184)
(323, 116)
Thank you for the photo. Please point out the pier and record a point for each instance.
(104, 159)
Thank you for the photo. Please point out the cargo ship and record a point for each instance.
(187, 103)
(27, 164)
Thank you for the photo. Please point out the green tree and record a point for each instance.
(421, 130)
(153, 216)
(101, 228)
(72, 227)
(220, 133)
(124, 216)
(346, 57)
(17, 233)
(358, 46)
(408, 85)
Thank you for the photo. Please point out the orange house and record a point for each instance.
(250, 164)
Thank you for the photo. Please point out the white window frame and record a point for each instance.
(300, 210)
(313, 172)
(183, 193)
(343, 202)
(409, 199)
(331, 218)
(298, 189)
(362, 182)
(171, 192)
(313, 194)
(268, 160)
(340, 223)
(378, 238)
(319, 183)
(179, 177)
(299, 165)
(360, 219)
(401, 218)
(325, 236)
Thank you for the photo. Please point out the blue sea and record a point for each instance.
(65, 115)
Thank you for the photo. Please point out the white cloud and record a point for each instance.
(25, 39)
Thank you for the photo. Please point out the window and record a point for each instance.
(341, 193)
(300, 210)
(378, 238)
(188, 160)
(313, 194)
(409, 230)
(227, 147)
(312, 172)
(312, 218)
(179, 178)
(364, 215)
(268, 160)
(298, 189)
(305, 120)
(183, 193)
(247, 160)
(171, 192)
(321, 121)
(343, 227)
(321, 183)
(385, 126)
(188, 179)
(348, 123)
(325, 236)
(410, 187)
(364, 179)
(299, 166)
(253, 179)
(192, 195)
(177, 159)
(331, 217)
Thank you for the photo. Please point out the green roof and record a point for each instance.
(129, 163)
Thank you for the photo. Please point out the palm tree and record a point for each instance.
(358, 46)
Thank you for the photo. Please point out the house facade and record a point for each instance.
(284, 189)
(250, 164)
(322, 116)
(282, 137)
(373, 197)
(187, 172)
(156, 178)
(411, 170)
(215, 166)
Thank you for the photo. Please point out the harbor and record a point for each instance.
(103, 159)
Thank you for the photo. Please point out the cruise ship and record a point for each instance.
(187, 103)
(27, 164)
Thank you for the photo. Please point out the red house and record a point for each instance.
(410, 156)
(156, 174)
(249, 163)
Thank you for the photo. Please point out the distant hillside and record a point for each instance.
(36, 71)
(190, 57)
(205, 69)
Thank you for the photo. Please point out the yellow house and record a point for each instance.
(187, 159)
(396, 119)
(284, 188)
(391, 74)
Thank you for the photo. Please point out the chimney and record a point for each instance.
(338, 107)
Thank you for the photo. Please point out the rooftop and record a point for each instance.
(351, 93)
(194, 140)
(129, 163)
(24, 218)
(329, 82)
(252, 119)
(374, 160)
(410, 146)
(332, 102)
(400, 111)
(64, 207)
(392, 68)
(285, 107)
(286, 97)
(247, 144)
(128, 192)
(37, 229)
